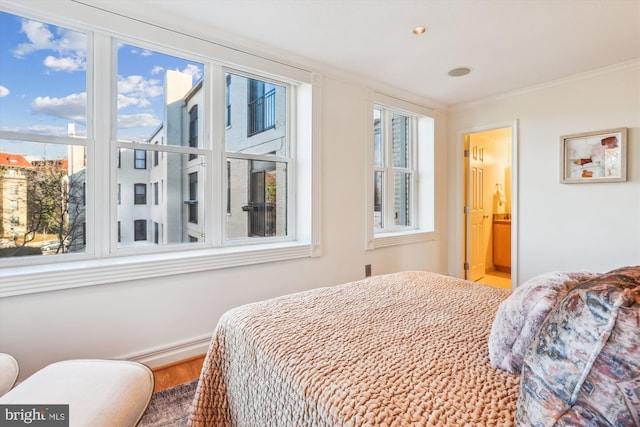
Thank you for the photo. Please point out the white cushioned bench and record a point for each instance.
(100, 393)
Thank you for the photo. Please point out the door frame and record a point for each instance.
(459, 217)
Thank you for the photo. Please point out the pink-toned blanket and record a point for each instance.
(395, 350)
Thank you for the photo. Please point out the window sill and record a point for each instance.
(75, 274)
(382, 240)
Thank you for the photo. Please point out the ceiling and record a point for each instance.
(508, 44)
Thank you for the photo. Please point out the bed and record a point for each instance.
(419, 348)
(407, 348)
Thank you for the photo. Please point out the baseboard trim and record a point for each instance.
(172, 353)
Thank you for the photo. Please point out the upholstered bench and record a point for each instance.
(100, 393)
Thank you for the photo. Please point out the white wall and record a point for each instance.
(563, 226)
(143, 319)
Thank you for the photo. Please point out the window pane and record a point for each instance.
(377, 138)
(378, 194)
(153, 86)
(400, 131)
(401, 204)
(46, 204)
(172, 216)
(256, 114)
(257, 199)
(43, 82)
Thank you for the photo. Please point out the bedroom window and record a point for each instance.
(43, 134)
(137, 149)
(258, 165)
(394, 169)
(400, 199)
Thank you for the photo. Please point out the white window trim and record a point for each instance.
(424, 194)
(98, 265)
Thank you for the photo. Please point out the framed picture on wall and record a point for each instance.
(594, 157)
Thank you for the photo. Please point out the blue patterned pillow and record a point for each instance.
(585, 353)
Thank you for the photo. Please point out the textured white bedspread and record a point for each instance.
(396, 350)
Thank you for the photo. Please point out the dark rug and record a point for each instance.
(170, 407)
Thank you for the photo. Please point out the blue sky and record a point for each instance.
(43, 82)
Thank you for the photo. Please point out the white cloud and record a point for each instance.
(38, 130)
(127, 121)
(70, 46)
(3, 91)
(128, 101)
(39, 38)
(136, 91)
(139, 51)
(157, 70)
(194, 71)
(64, 64)
(71, 107)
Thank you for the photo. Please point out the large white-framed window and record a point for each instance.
(196, 161)
(400, 172)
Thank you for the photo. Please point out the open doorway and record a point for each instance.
(488, 201)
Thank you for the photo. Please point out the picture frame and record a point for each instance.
(591, 157)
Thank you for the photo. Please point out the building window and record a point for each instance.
(140, 194)
(13, 190)
(228, 101)
(401, 173)
(156, 194)
(140, 159)
(156, 232)
(193, 130)
(394, 170)
(140, 229)
(192, 203)
(261, 108)
(119, 192)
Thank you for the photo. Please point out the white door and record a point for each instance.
(476, 213)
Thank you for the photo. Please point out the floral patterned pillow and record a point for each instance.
(519, 316)
(585, 357)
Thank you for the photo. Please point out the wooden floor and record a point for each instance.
(180, 372)
(497, 279)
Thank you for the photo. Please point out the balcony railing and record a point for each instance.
(262, 113)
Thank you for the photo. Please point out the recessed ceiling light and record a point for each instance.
(419, 30)
(460, 71)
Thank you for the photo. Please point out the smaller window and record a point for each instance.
(13, 205)
(193, 198)
(400, 199)
(140, 159)
(119, 234)
(140, 192)
(228, 99)
(193, 130)
(14, 190)
(155, 193)
(119, 193)
(140, 227)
